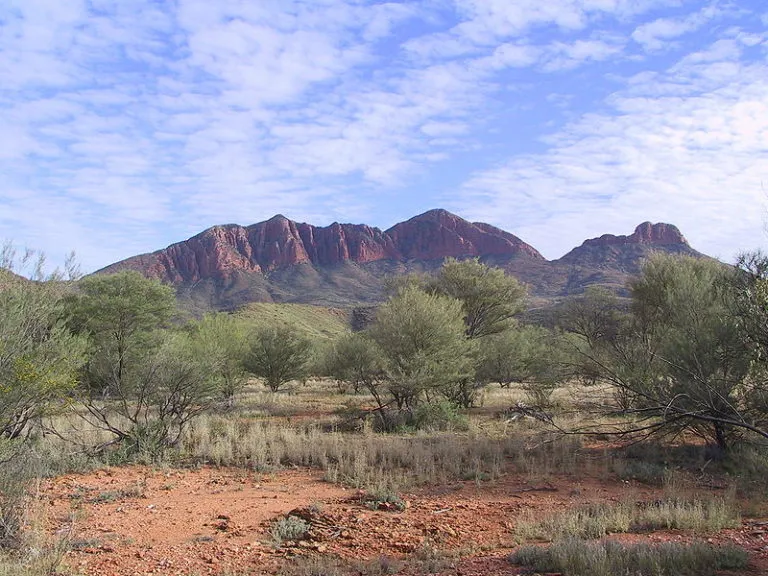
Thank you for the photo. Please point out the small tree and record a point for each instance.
(142, 383)
(122, 315)
(680, 361)
(355, 359)
(278, 354)
(173, 384)
(421, 337)
(223, 339)
(39, 356)
(489, 297)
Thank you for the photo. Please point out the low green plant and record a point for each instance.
(574, 557)
(289, 528)
(438, 416)
(384, 500)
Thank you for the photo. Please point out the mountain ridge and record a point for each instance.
(280, 260)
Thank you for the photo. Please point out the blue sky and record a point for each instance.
(126, 125)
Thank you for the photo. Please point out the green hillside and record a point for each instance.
(316, 321)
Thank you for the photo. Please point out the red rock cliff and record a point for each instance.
(223, 250)
(440, 234)
(645, 233)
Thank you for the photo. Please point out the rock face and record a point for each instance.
(339, 265)
(625, 254)
(440, 234)
(278, 242)
(645, 233)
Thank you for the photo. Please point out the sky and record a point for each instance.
(127, 125)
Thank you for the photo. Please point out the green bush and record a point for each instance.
(438, 416)
(289, 528)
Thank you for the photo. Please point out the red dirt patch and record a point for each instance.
(136, 521)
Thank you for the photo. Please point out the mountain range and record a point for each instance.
(279, 260)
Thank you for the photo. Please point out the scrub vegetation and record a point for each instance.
(446, 384)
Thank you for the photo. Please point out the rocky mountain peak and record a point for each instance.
(222, 251)
(646, 233)
(440, 234)
(661, 233)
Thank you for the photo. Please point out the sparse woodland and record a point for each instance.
(446, 384)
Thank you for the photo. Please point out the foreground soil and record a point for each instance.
(138, 520)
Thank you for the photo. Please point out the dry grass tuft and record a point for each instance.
(575, 557)
(598, 520)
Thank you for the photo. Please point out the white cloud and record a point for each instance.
(659, 34)
(687, 149)
(563, 56)
(141, 122)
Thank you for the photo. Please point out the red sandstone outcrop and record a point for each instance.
(223, 250)
(645, 233)
(440, 234)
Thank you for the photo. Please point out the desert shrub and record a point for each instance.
(575, 557)
(682, 360)
(147, 412)
(355, 359)
(39, 357)
(383, 499)
(438, 416)
(531, 355)
(19, 469)
(489, 299)
(224, 340)
(289, 528)
(142, 383)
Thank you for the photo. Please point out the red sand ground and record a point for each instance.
(137, 521)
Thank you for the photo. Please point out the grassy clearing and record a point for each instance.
(315, 321)
(578, 558)
(374, 461)
(598, 520)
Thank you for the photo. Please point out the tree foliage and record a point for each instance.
(39, 356)
(422, 340)
(223, 339)
(278, 354)
(679, 360)
(354, 358)
(122, 315)
(489, 297)
(142, 382)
